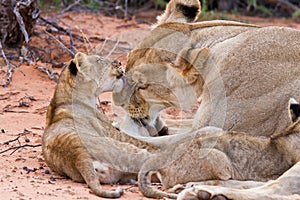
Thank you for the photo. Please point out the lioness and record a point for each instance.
(224, 155)
(79, 141)
(249, 75)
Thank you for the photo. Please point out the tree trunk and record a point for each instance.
(17, 19)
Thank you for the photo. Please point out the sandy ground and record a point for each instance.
(23, 172)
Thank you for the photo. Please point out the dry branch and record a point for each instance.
(52, 75)
(17, 19)
(70, 6)
(60, 43)
(72, 48)
(19, 146)
(9, 107)
(21, 22)
(59, 28)
(9, 69)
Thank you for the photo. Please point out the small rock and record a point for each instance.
(51, 182)
(52, 178)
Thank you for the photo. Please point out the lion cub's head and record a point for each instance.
(83, 79)
(104, 73)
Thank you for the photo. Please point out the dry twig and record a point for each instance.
(7, 95)
(70, 6)
(59, 42)
(59, 28)
(19, 146)
(114, 48)
(9, 69)
(25, 101)
(86, 41)
(51, 74)
(72, 48)
(9, 108)
(21, 21)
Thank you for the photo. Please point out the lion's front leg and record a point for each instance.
(287, 186)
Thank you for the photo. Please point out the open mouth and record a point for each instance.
(141, 122)
(144, 122)
(120, 76)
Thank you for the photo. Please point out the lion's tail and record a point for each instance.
(97, 190)
(144, 181)
(150, 167)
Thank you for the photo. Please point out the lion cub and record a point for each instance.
(225, 155)
(79, 141)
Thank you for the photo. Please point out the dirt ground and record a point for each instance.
(23, 104)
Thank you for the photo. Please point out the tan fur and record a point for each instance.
(286, 187)
(249, 76)
(79, 141)
(246, 65)
(173, 12)
(222, 155)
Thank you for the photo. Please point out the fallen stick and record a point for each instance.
(52, 75)
(72, 48)
(70, 6)
(19, 147)
(59, 28)
(60, 43)
(9, 68)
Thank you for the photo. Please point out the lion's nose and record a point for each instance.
(120, 76)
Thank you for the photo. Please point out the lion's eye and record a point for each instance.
(116, 64)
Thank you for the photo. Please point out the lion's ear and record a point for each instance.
(294, 108)
(74, 65)
(294, 114)
(189, 57)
